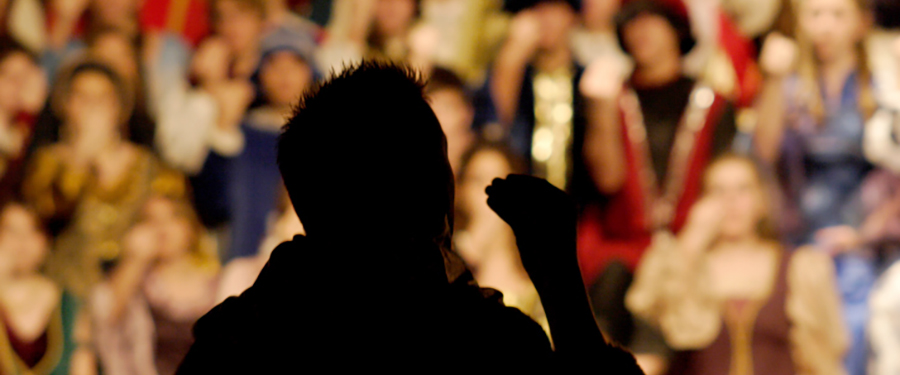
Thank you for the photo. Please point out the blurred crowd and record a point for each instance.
(736, 164)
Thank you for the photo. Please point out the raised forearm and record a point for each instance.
(769, 130)
(604, 153)
(506, 82)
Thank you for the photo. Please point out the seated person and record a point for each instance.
(729, 297)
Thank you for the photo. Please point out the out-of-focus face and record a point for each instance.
(13, 72)
(599, 12)
(93, 102)
(736, 186)
(210, 62)
(556, 20)
(484, 167)
(21, 240)
(394, 17)
(284, 76)
(172, 226)
(115, 12)
(240, 27)
(833, 26)
(115, 50)
(455, 114)
(650, 38)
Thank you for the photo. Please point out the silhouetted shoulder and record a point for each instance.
(303, 308)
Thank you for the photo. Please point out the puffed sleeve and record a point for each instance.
(672, 293)
(817, 335)
(52, 188)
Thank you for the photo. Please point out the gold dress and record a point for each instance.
(91, 219)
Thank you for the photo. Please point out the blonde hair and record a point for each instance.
(808, 71)
(767, 227)
(202, 251)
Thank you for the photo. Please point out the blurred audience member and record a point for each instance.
(650, 141)
(484, 241)
(729, 297)
(91, 183)
(22, 95)
(241, 24)
(533, 87)
(199, 127)
(37, 318)
(240, 273)
(812, 112)
(143, 314)
(286, 70)
(452, 105)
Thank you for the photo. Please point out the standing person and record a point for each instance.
(729, 297)
(812, 113)
(143, 314)
(648, 139)
(37, 317)
(533, 91)
(91, 183)
(374, 272)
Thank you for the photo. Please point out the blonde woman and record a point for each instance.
(817, 98)
(729, 297)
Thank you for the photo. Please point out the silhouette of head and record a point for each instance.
(365, 155)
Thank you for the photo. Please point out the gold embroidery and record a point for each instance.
(551, 143)
(660, 201)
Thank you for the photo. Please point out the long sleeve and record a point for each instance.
(817, 335)
(673, 294)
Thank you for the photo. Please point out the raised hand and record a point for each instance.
(702, 225)
(524, 33)
(778, 55)
(543, 219)
(602, 79)
(141, 244)
(233, 98)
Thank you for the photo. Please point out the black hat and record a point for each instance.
(516, 6)
(678, 20)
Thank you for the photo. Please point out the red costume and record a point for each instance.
(621, 230)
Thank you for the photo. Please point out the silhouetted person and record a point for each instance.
(374, 280)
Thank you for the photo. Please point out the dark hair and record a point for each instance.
(10, 47)
(365, 145)
(445, 79)
(678, 20)
(516, 166)
(63, 88)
